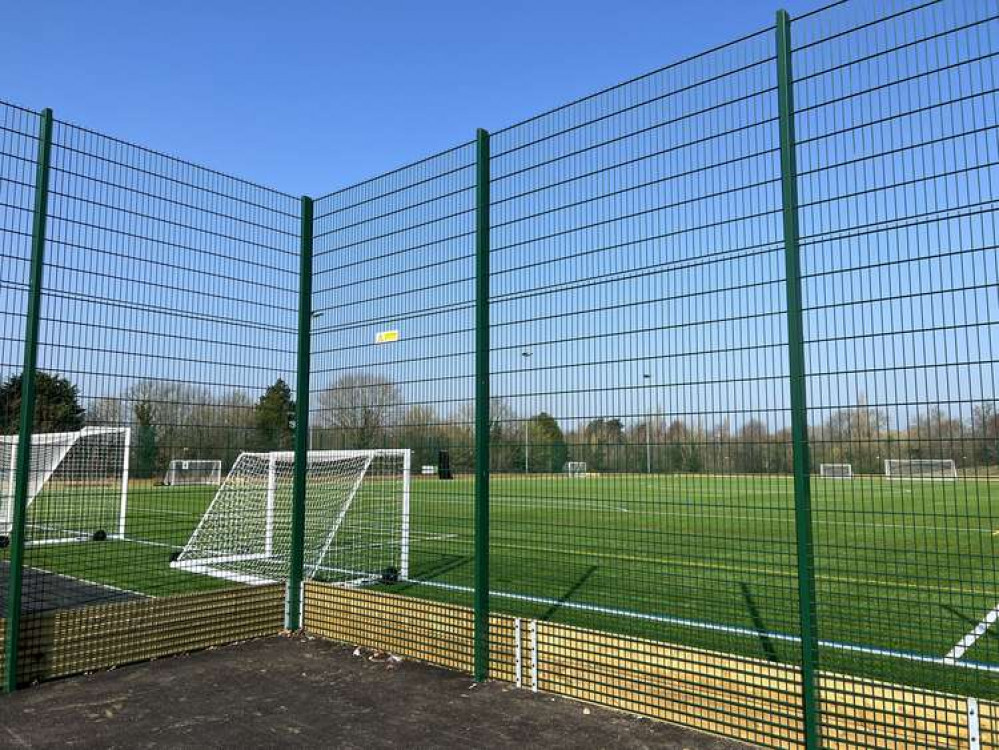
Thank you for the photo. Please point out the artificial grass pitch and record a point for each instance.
(904, 570)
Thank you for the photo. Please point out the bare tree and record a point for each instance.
(193, 421)
(856, 435)
(106, 410)
(360, 407)
(506, 435)
(985, 428)
(937, 435)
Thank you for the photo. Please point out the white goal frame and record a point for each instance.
(947, 474)
(213, 478)
(575, 469)
(61, 443)
(847, 474)
(212, 566)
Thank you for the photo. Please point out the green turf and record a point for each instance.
(900, 566)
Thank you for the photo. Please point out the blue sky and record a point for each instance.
(308, 97)
(318, 99)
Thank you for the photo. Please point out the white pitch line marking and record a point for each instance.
(974, 634)
(715, 627)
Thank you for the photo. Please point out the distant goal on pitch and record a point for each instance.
(921, 469)
(575, 469)
(836, 471)
(194, 471)
(77, 485)
(356, 519)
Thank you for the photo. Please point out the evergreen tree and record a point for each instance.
(274, 418)
(547, 444)
(146, 448)
(57, 405)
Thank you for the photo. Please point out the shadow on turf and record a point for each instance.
(970, 620)
(553, 610)
(761, 628)
(446, 565)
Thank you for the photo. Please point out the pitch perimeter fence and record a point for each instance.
(678, 398)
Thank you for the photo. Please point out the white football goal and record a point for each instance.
(836, 471)
(356, 519)
(77, 485)
(575, 469)
(923, 469)
(183, 472)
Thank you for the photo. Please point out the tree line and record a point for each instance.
(361, 410)
(169, 420)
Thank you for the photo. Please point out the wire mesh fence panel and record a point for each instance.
(19, 130)
(897, 156)
(639, 330)
(663, 492)
(392, 371)
(167, 331)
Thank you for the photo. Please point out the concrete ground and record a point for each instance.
(302, 692)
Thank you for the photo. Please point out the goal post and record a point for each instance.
(836, 471)
(576, 469)
(357, 519)
(77, 486)
(193, 472)
(921, 469)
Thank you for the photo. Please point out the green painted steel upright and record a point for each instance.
(482, 406)
(293, 615)
(15, 580)
(799, 404)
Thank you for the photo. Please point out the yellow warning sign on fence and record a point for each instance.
(385, 337)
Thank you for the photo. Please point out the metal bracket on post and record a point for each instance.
(799, 404)
(295, 593)
(481, 596)
(518, 653)
(974, 725)
(15, 579)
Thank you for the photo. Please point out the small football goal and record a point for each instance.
(575, 469)
(77, 485)
(836, 471)
(922, 469)
(185, 472)
(356, 519)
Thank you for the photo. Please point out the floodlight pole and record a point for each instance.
(15, 573)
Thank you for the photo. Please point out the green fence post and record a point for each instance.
(15, 571)
(482, 406)
(799, 408)
(293, 613)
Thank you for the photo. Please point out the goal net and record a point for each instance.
(182, 472)
(921, 469)
(575, 469)
(77, 485)
(836, 471)
(356, 519)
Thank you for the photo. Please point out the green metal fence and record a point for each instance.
(680, 397)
